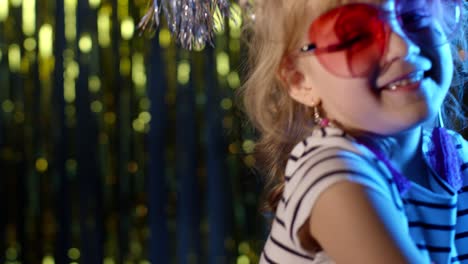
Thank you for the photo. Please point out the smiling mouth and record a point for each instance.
(412, 78)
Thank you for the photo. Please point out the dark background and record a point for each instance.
(120, 148)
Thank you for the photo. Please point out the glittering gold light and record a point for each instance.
(248, 146)
(72, 69)
(34, 50)
(145, 117)
(48, 260)
(122, 9)
(249, 161)
(96, 106)
(29, 17)
(46, 41)
(243, 259)
(14, 57)
(139, 73)
(222, 63)
(234, 44)
(94, 3)
(68, 55)
(8, 106)
(243, 248)
(164, 37)
(41, 166)
(86, 43)
(94, 84)
(16, 3)
(125, 66)
(144, 103)
(110, 118)
(138, 125)
(104, 24)
(183, 72)
(11, 254)
(226, 103)
(29, 44)
(109, 260)
(70, 20)
(69, 90)
(233, 80)
(127, 28)
(4, 10)
(74, 253)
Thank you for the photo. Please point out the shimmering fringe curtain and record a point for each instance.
(118, 148)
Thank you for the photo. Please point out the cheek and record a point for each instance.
(442, 65)
(323, 77)
(349, 99)
(315, 74)
(448, 67)
(337, 90)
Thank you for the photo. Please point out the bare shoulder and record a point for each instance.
(355, 224)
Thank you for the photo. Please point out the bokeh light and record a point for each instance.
(85, 99)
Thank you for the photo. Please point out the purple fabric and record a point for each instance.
(444, 159)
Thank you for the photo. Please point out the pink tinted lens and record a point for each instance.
(350, 39)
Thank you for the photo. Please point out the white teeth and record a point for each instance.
(412, 78)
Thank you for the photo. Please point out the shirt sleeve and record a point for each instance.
(321, 169)
(461, 237)
(462, 147)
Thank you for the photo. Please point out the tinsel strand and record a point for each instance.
(191, 22)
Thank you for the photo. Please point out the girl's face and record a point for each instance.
(376, 66)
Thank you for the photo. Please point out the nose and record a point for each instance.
(400, 47)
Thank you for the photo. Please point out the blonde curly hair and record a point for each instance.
(282, 122)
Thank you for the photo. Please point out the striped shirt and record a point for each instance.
(437, 218)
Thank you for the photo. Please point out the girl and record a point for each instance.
(347, 95)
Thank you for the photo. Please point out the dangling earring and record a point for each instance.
(319, 120)
(440, 120)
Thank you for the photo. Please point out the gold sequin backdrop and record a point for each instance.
(116, 148)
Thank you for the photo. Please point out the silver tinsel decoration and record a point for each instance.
(191, 22)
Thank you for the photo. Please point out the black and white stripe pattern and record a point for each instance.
(437, 220)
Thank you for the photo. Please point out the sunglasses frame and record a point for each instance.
(332, 48)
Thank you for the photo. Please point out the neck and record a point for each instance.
(407, 154)
(404, 152)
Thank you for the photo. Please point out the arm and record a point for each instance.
(355, 224)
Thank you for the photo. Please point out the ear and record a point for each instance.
(296, 82)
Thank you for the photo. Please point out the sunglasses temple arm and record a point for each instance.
(331, 48)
